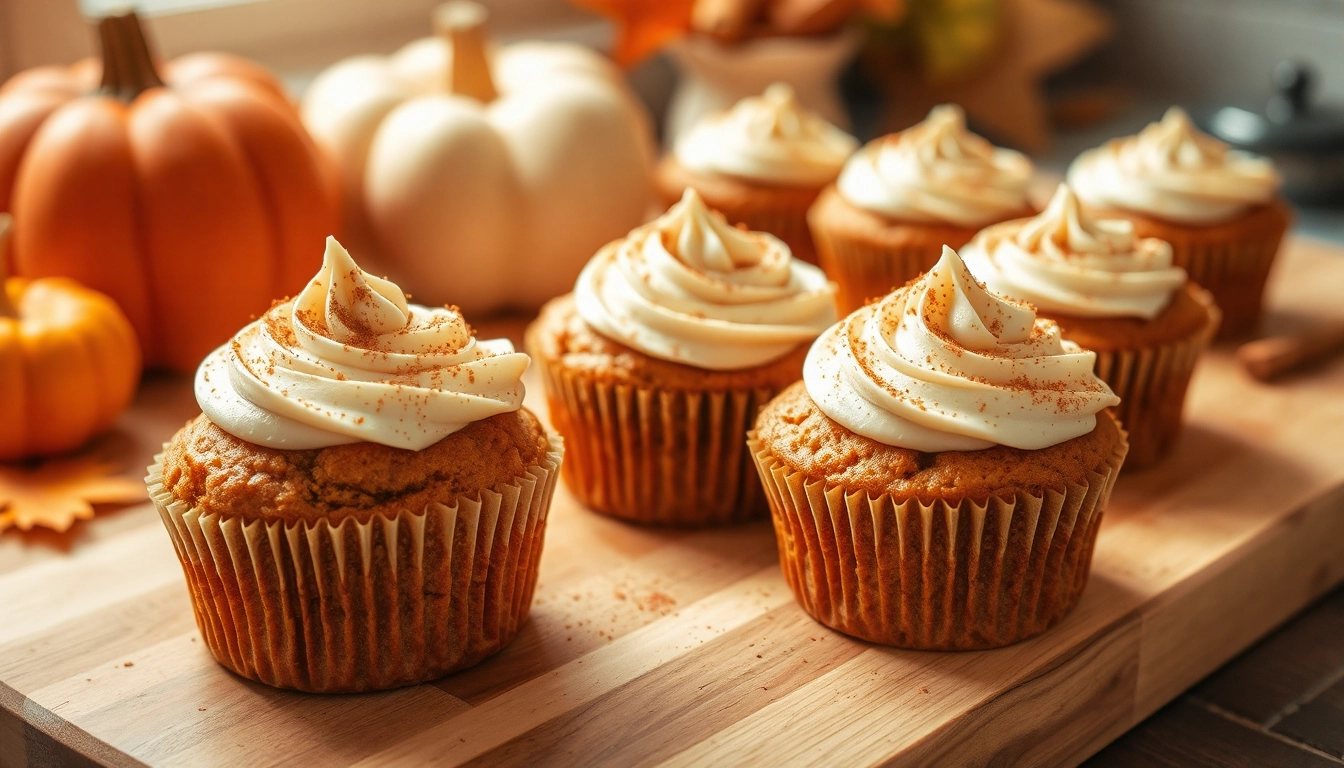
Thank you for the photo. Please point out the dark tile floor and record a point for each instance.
(1281, 703)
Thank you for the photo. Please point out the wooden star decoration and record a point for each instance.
(1002, 95)
(56, 493)
(642, 26)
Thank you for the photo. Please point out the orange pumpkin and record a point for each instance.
(68, 363)
(193, 200)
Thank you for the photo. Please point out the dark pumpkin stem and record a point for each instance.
(128, 67)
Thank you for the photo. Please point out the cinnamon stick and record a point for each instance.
(1267, 359)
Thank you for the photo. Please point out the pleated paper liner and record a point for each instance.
(863, 271)
(868, 255)
(1151, 384)
(1232, 263)
(935, 576)
(657, 457)
(788, 225)
(1235, 273)
(363, 606)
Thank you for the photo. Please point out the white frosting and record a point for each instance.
(350, 361)
(1064, 261)
(945, 365)
(1172, 171)
(691, 289)
(768, 138)
(937, 171)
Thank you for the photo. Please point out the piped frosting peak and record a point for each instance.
(1172, 171)
(1067, 261)
(350, 360)
(690, 288)
(944, 364)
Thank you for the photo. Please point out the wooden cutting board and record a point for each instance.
(686, 648)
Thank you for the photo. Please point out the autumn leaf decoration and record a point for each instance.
(54, 494)
(642, 26)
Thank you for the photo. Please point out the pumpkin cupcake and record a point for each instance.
(1115, 294)
(1218, 208)
(761, 163)
(902, 197)
(938, 477)
(361, 505)
(656, 365)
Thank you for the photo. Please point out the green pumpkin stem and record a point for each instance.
(128, 66)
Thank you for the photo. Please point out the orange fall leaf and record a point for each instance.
(57, 493)
(642, 26)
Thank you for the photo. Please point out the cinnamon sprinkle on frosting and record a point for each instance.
(349, 360)
(966, 370)
(689, 288)
(1066, 261)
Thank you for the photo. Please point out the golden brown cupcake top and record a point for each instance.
(1190, 311)
(207, 468)
(561, 336)
(800, 435)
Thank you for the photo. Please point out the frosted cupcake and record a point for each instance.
(761, 163)
(1218, 208)
(902, 197)
(1115, 294)
(656, 365)
(361, 504)
(938, 477)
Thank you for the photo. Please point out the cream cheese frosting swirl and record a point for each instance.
(351, 361)
(1173, 172)
(691, 289)
(1065, 261)
(944, 365)
(768, 138)
(937, 171)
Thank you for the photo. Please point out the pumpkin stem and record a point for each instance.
(7, 308)
(462, 25)
(128, 67)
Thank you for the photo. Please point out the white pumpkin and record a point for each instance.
(483, 179)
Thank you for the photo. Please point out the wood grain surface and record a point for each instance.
(683, 647)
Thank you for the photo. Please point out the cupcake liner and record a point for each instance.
(1235, 273)
(363, 605)
(1151, 384)
(1232, 263)
(788, 225)
(864, 270)
(937, 576)
(654, 456)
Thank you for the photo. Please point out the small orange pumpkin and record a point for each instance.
(193, 200)
(69, 363)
